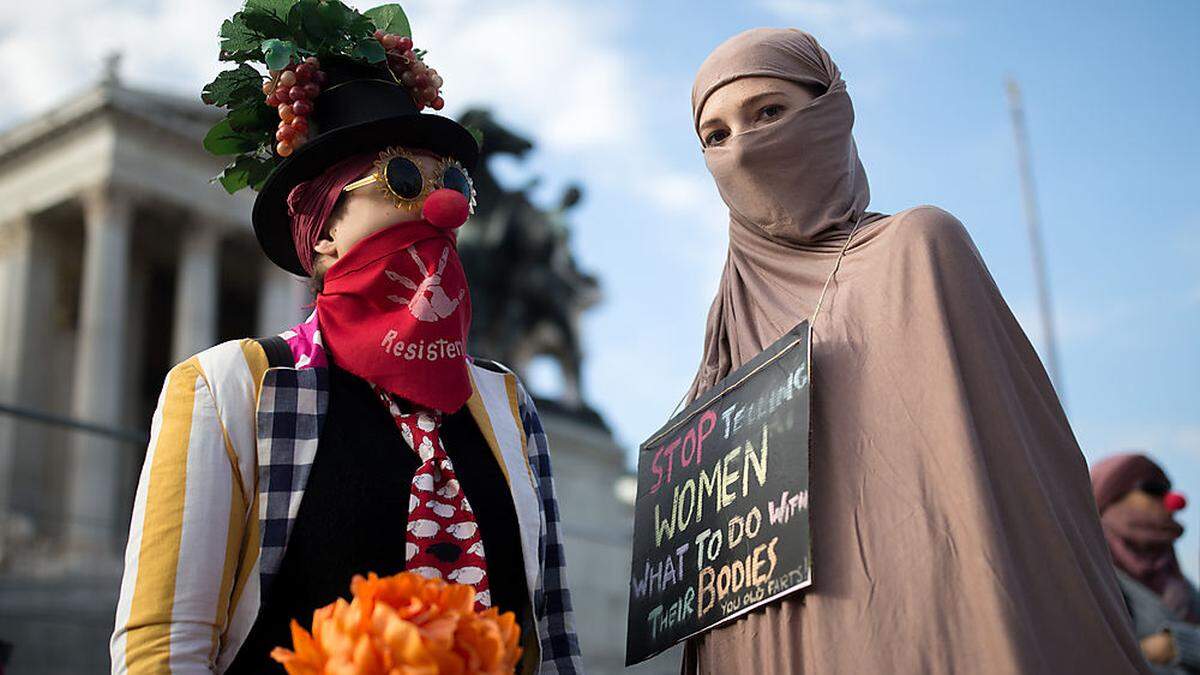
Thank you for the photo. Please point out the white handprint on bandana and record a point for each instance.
(429, 302)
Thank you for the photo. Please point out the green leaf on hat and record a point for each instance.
(390, 19)
(237, 40)
(254, 117)
(232, 87)
(310, 25)
(234, 177)
(477, 134)
(268, 18)
(337, 14)
(279, 8)
(223, 140)
(247, 171)
(360, 26)
(279, 53)
(265, 24)
(369, 49)
(260, 169)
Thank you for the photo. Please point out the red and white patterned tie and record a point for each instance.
(443, 539)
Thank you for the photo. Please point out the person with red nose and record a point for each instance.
(365, 439)
(1137, 508)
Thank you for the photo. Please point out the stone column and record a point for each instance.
(14, 315)
(572, 394)
(195, 322)
(97, 395)
(282, 299)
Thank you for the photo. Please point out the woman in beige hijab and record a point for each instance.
(954, 528)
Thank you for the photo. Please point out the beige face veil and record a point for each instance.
(793, 186)
(798, 178)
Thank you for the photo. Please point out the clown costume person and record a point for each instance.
(364, 439)
(1137, 511)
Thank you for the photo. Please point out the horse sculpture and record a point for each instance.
(527, 293)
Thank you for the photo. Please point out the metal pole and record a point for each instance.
(1035, 235)
(51, 419)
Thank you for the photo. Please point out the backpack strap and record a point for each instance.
(279, 355)
(494, 366)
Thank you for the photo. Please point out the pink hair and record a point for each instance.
(310, 203)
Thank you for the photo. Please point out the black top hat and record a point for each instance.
(360, 109)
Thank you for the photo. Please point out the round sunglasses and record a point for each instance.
(400, 177)
(1155, 488)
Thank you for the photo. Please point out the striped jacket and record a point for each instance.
(230, 447)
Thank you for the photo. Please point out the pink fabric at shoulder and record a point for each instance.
(308, 348)
(954, 528)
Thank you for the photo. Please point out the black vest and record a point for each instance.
(353, 516)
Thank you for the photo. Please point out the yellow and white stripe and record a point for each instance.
(494, 406)
(190, 533)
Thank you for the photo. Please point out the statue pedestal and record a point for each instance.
(591, 480)
(60, 625)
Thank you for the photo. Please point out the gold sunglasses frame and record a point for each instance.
(428, 184)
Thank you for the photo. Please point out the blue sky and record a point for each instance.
(1112, 94)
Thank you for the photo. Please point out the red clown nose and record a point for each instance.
(1174, 501)
(446, 209)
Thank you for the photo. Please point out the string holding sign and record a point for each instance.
(837, 264)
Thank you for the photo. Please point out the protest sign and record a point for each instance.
(721, 518)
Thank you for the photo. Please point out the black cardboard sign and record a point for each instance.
(721, 519)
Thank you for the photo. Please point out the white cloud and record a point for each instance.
(56, 49)
(557, 67)
(678, 192)
(834, 21)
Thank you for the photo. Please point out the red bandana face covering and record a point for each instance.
(395, 311)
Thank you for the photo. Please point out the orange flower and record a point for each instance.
(404, 625)
(489, 644)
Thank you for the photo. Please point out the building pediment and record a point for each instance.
(144, 142)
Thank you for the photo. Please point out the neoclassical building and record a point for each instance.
(121, 257)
